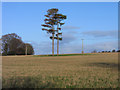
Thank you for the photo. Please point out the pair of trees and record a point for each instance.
(13, 45)
(53, 23)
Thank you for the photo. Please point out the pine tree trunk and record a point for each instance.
(58, 47)
(57, 41)
(53, 44)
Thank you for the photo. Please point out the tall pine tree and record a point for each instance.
(53, 25)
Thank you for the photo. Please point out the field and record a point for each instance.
(75, 71)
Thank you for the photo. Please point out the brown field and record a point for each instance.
(80, 71)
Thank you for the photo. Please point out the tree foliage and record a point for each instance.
(113, 50)
(30, 50)
(13, 45)
(118, 50)
(53, 23)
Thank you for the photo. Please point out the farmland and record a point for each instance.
(77, 71)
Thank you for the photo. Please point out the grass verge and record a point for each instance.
(63, 55)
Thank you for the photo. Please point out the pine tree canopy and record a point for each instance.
(56, 38)
(53, 22)
(52, 11)
(46, 25)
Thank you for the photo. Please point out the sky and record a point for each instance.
(60, 0)
(95, 22)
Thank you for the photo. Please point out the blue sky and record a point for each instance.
(95, 22)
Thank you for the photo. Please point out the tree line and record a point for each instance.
(95, 51)
(12, 44)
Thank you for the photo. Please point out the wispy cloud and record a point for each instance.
(43, 47)
(70, 27)
(67, 38)
(98, 33)
(69, 44)
(77, 48)
(46, 47)
(105, 45)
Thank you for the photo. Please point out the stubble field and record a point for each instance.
(79, 71)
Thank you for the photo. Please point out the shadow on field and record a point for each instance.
(26, 82)
(105, 65)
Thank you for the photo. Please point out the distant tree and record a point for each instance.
(103, 51)
(30, 50)
(94, 51)
(21, 49)
(0, 46)
(106, 51)
(13, 45)
(6, 42)
(113, 50)
(118, 50)
(5, 49)
(109, 51)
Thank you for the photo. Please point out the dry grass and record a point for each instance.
(86, 71)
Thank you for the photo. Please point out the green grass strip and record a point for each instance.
(61, 55)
